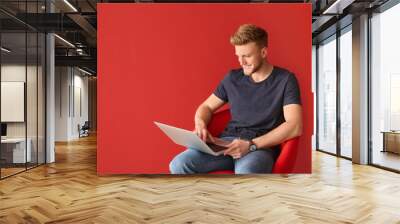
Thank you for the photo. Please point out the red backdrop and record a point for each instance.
(158, 62)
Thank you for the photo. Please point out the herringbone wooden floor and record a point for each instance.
(69, 191)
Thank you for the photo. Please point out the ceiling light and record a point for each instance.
(5, 50)
(79, 51)
(70, 5)
(65, 41)
(337, 7)
(84, 71)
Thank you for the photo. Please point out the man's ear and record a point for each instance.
(264, 52)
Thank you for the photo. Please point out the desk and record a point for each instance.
(391, 141)
(13, 150)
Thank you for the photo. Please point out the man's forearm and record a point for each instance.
(278, 135)
(203, 115)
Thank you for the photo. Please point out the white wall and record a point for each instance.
(71, 93)
(61, 103)
(33, 127)
(12, 73)
(79, 117)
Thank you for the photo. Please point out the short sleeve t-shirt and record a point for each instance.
(257, 107)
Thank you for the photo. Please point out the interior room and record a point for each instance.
(55, 120)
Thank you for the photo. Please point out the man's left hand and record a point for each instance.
(237, 148)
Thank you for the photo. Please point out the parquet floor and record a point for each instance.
(69, 191)
(10, 171)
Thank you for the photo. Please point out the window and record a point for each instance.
(346, 93)
(326, 88)
(385, 88)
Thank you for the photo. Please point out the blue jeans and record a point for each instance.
(193, 161)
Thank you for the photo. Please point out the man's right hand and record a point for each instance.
(202, 132)
(203, 115)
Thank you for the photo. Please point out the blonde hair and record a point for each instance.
(247, 33)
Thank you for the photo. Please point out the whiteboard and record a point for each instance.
(12, 101)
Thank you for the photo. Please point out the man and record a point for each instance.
(265, 107)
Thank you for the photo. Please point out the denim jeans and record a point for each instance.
(193, 161)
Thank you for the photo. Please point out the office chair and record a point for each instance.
(284, 163)
(84, 130)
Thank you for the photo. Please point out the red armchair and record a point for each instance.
(284, 163)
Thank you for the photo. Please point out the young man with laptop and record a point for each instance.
(265, 107)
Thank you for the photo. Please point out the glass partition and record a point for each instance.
(346, 93)
(385, 89)
(326, 136)
(15, 151)
(32, 95)
(41, 87)
(22, 77)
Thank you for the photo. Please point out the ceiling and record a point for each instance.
(76, 22)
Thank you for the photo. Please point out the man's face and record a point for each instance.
(250, 56)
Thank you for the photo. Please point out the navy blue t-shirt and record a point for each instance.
(257, 107)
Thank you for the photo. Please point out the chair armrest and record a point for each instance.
(287, 159)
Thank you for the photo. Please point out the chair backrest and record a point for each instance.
(287, 158)
(219, 121)
(86, 125)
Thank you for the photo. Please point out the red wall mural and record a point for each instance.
(158, 62)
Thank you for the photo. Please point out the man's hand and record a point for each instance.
(202, 132)
(237, 148)
(203, 116)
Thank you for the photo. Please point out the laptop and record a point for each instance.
(190, 140)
